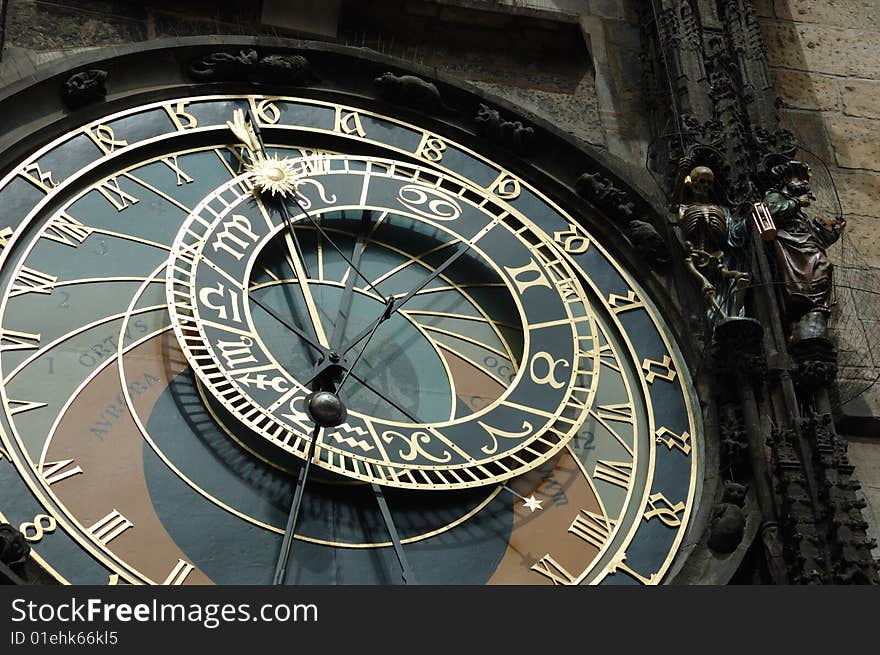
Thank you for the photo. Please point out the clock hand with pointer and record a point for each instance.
(323, 405)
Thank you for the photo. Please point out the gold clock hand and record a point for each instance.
(248, 132)
(303, 277)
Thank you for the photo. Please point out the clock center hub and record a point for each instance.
(326, 409)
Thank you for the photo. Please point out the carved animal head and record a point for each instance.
(734, 493)
(385, 79)
(486, 115)
(701, 180)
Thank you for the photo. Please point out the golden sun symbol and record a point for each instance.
(273, 175)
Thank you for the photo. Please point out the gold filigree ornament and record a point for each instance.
(277, 176)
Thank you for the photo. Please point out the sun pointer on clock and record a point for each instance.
(274, 175)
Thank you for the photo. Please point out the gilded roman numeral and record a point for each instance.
(621, 412)
(180, 117)
(5, 233)
(179, 573)
(312, 162)
(592, 528)
(618, 565)
(15, 340)
(19, 406)
(30, 280)
(348, 122)
(624, 303)
(57, 471)
(171, 162)
(42, 179)
(105, 138)
(616, 473)
(65, 229)
(111, 190)
(111, 526)
(550, 568)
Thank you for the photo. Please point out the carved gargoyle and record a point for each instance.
(647, 241)
(247, 65)
(512, 134)
(728, 522)
(601, 192)
(84, 88)
(410, 91)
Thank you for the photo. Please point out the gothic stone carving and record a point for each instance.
(850, 546)
(84, 88)
(728, 522)
(620, 207)
(410, 91)
(247, 65)
(512, 134)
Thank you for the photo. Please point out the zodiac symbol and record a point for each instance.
(415, 442)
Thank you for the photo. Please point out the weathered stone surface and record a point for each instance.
(863, 232)
(765, 8)
(861, 97)
(856, 142)
(820, 49)
(809, 128)
(843, 13)
(573, 112)
(859, 192)
(805, 91)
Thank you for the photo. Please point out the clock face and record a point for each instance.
(173, 299)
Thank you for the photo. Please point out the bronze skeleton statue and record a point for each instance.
(714, 242)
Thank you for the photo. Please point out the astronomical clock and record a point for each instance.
(262, 331)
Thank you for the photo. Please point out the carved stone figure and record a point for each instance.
(287, 69)
(14, 550)
(712, 239)
(647, 241)
(294, 70)
(800, 250)
(493, 126)
(728, 522)
(223, 65)
(410, 91)
(84, 88)
(601, 192)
